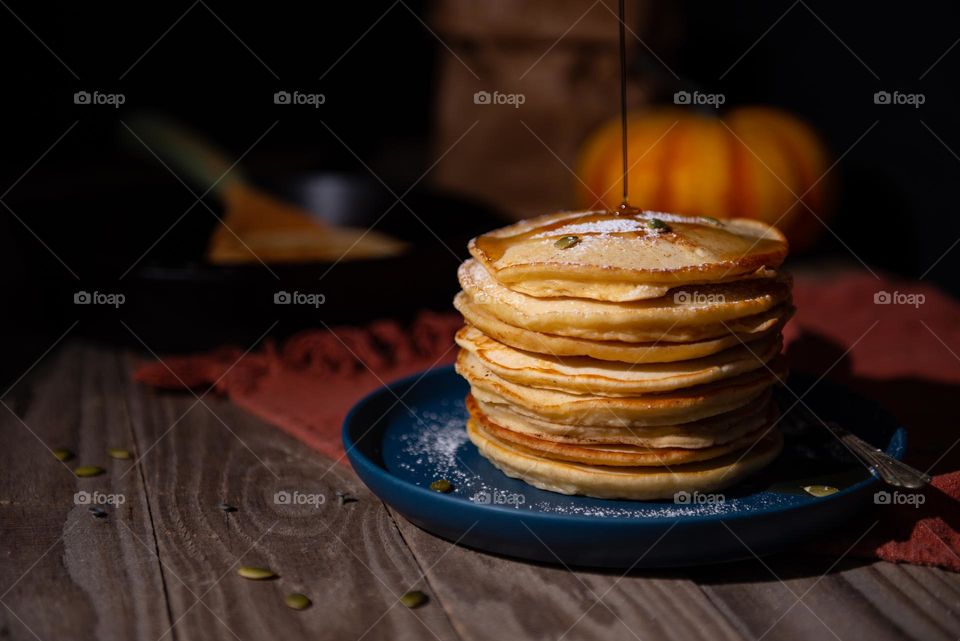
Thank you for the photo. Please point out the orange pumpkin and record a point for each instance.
(751, 162)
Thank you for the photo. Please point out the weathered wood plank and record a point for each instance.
(855, 600)
(350, 559)
(490, 597)
(67, 574)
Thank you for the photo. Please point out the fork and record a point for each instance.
(880, 464)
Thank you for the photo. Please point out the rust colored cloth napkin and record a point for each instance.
(307, 385)
(903, 353)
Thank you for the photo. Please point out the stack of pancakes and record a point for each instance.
(624, 354)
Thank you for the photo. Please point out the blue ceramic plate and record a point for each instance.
(411, 433)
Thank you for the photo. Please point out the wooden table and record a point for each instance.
(163, 564)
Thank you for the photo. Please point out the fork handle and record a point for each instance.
(889, 469)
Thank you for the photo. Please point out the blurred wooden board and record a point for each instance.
(163, 564)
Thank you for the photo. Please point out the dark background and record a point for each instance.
(99, 207)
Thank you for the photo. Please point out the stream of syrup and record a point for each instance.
(624, 220)
(625, 204)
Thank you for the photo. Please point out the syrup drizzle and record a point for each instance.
(625, 206)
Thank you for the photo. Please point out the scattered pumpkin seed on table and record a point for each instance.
(256, 573)
(820, 490)
(85, 471)
(413, 599)
(62, 454)
(297, 601)
(119, 454)
(441, 485)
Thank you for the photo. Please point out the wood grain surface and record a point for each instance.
(163, 563)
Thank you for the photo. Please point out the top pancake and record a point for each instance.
(621, 257)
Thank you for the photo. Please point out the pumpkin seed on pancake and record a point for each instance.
(651, 352)
(668, 408)
(619, 256)
(582, 374)
(689, 313)
(623, 482)
(707, 432)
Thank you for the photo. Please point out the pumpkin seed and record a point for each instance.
(255, 573)
(820, 490)
(566, 242)
(658, 225)
(413, 599)
(62, 454)
(441, 485)
(226, 507)
(85, 471)
(119, 454)
(297, 601)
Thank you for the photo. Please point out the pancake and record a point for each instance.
(620, 256)
(618, 292)
(668, 408)
(707, 432)
(622, 482)
(580, 374)
(650, 352)
(616, 454)
(689, 313)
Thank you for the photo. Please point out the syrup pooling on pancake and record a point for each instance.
(615, 249)
(624, 354)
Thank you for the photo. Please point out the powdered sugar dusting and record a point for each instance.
(604, 226)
